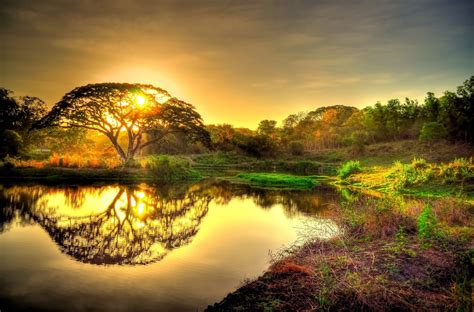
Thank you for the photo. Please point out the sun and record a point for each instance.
(140, 100)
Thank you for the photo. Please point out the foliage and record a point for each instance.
(349, 168)
(10, 143)
(171, 169)
(267, 128)
(257, 146)
(136, 110)
(17, 115)
(279, 180)
(432, 131)
(420, 172)
(459, 170)
(296, 148)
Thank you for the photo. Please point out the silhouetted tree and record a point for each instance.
(132, 109)
(17, 115)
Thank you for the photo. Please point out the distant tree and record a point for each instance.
(267, 127)
(10, 143)
(296, 148)
(222, 136)
(256, 145)
(17, 114)
(431, 107)
(133, 110)
(8, 110)
(457, 112)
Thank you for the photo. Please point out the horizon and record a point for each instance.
(269, 58)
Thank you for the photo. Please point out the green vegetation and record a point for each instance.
(427, 225)
(432, 131)
(279, 180)
(349, 168)
(421, 178)
(171, 169)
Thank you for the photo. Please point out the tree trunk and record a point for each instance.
(118, 148)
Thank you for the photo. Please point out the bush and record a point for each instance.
(432, 131)
(348, 168)
(403, 175)
(458, 170)
(257, 146)
(170, 169)
(296, 148)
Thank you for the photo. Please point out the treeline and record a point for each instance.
(17, 116)
(448, 117)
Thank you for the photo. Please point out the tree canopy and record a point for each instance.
(134, 110)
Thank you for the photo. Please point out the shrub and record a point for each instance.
(459, 169)
(296, 148)
(432, 131)
(419, 163)
(170, 169)
(348, 168)
(403, 175)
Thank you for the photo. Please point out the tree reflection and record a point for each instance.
(293, 201)
(138, 226)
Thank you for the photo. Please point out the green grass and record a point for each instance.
(348, 168)
(279, 180)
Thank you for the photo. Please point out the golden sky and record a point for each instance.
(240, 62)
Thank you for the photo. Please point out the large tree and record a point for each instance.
(134, 110)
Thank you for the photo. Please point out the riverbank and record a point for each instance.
(396, 254)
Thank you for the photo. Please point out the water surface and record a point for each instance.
(145, 247)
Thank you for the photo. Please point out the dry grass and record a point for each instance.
(379, 264)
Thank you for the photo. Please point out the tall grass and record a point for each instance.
(83, 161)
(426, 222)
(348, 168)
(419, 172)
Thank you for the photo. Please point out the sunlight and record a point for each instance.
(140, 100)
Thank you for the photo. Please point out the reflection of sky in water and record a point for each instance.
(229, 243)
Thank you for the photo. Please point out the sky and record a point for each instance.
(240, 62)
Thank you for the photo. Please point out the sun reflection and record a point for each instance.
(135, 225)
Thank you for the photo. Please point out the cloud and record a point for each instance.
(234, 52)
